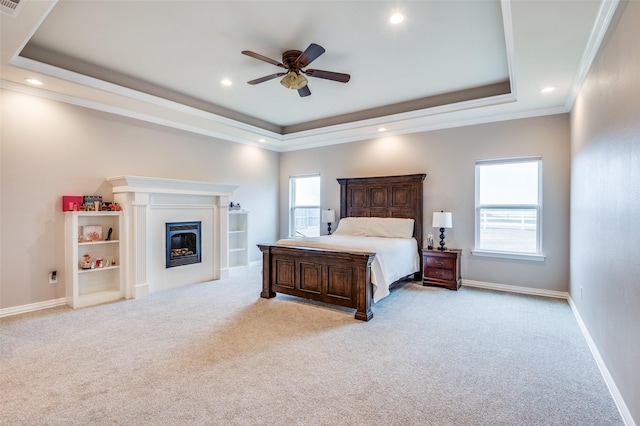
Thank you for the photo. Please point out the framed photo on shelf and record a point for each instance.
(92, 233)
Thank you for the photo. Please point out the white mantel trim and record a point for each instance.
(152, 185)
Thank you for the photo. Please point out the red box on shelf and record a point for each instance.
(71, 202)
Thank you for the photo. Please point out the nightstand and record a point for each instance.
(441, 268)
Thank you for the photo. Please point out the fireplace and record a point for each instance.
(183, 245)
(150, 203)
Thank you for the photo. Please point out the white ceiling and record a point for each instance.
(450, 63)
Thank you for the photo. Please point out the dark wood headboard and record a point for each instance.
(385, 196)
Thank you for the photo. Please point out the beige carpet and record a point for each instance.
(215, 353)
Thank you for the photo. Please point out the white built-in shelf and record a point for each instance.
(238, 239)
(104, 268)
(89, 243)
(98, 297)
(87, 287)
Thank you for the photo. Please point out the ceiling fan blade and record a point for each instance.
(304, 91)
(266, 78)
(262, 58)
(328, 75)
(309, 55)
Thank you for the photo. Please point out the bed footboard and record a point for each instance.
(337, 278)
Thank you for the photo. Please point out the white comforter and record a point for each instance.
(395, 257)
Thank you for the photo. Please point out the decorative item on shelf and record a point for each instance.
(234, 206)
(71, 203)
(92, 233)
(109, 234)
(442, 220)
(86, 261)
(89, 201)
(430, 241)
(328, 216)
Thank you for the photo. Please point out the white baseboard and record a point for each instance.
(516, 289)
(140, 291)
(238, 269)
(15, 310)
(611, 384)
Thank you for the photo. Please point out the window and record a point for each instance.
(509, 206)
(304, 202)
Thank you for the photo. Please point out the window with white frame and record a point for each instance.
(509, 205)
(304, 206)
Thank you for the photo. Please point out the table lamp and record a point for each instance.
(442, 220)
(328, 216)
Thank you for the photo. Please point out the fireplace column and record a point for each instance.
(221, 244)
(136, 236)
(140, 213)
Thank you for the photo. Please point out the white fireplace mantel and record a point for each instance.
(168, 186)
(148, 204)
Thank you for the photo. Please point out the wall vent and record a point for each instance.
(11, 7)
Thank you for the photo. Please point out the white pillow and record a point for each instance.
(389, 227)
(354, 226)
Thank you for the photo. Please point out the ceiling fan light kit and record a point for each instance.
(294, 81)
(294, 61)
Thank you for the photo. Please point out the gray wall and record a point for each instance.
(448, 158)
(50, 149)
(605, 204)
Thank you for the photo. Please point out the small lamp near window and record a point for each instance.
(442, 220)
(328, 216)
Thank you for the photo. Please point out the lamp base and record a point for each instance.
(329, 228)
(442, 246)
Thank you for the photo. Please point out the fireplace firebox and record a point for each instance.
(183, 245)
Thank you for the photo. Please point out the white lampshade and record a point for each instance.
(442, 220)
(328, 216)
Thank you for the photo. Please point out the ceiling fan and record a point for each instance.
(294, 61)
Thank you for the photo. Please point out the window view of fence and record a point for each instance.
(304, 196)
(508, 230)
(508, 205)
(307, 221)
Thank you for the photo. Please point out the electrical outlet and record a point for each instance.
(53, 277)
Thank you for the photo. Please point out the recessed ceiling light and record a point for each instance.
(262, 140)
(33, 81)
(382, 129)
(547, 89)
(396, 18)
(226, 82)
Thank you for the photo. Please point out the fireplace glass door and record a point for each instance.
(183, 245)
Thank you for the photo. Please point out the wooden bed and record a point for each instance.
(337, 277)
